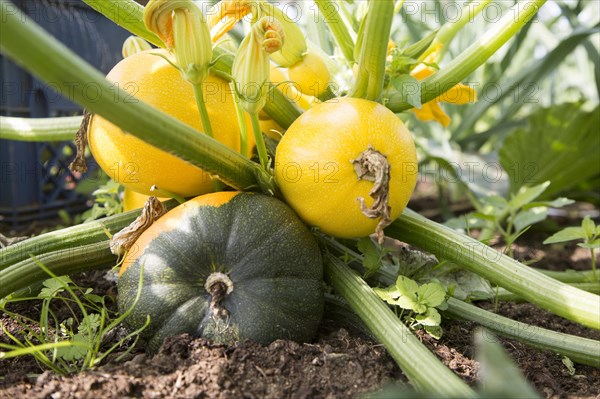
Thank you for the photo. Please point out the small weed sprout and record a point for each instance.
(72, 344)
(588, 232)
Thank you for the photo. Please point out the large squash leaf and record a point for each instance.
(561, 145)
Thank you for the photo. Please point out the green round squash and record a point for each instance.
(226, 266)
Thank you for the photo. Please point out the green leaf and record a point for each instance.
(569, 365)
(388, 295)
(566, 234)
(528, 75)
(529, 217)
(89, 325)
(409, 88)
(95, 298)
(53, 286)
(466, 222)
(407, 286)
(496, 369)
(493, 205)
(557, 203)
(560, 145)
(430, 318)
(431, 294)
(76, 351)
(525, 195)
(435, 331)
(588, 226)
(372, 255)
(590, 245)
(408, 293)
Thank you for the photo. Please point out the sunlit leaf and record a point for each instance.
(431, 294)
(566, 234)
(529, 217)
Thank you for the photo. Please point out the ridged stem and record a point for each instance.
(373, 50)
(470, 254)
(63, 261)
(329, 11)
(578, 349)
(39, 129)
(74, 236)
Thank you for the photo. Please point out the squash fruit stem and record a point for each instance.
(79, 164)
(217, 325)
(122, 241)
(373, 166)
(218, 285)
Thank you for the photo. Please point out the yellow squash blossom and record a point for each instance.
(459, 94)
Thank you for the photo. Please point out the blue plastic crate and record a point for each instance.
(36, 181)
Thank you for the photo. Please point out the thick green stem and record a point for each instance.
(39, 129)
(128, 14)
(559, 298)
(260, 142)
(504, 295)
(421, 366)
(74, 236)
(473, 57)
(578, 349)
(569, 276)
(329, 11)
(63, 261)
(41, 54)
(373, 50)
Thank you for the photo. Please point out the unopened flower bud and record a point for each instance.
(295, 47)
(251, 67)
(133, 45)
(182, 27)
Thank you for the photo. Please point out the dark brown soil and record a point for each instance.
(340, 363)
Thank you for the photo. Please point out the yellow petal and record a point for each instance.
(432, 111)
(422, 71)
(225, 15)
(459, 94)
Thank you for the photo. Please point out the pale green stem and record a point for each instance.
(39, 129)
(128, 14)
(578, 349)
(199, 94)
(373, 51)
(260, 142)
(341, 33)
(559, 298)
(60, 262)
(450, 29)
(473, 57)
(594, 274)
(241, 118)
(74, 236)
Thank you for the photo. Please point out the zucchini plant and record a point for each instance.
(278, 302)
